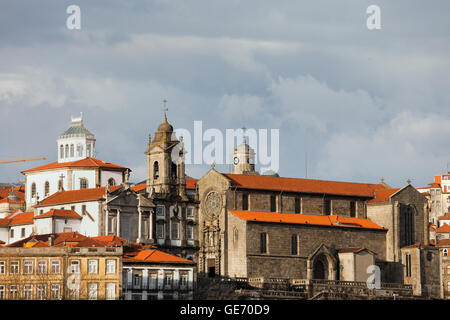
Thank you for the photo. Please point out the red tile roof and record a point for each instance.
(306, 219)
(67, 214)
(6, 200)
(153, 255)
(111, 240)
(18, 219)
(190, 184)
(85, 163)
(241, 181)
(443, 243)
(68, 239)
(383, 195)
(139, 187)
(19, 191)
(446, 216)
(434, 185)
(445, 228)
(74, 196)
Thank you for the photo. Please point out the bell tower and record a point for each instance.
(244, 159)
(164, 174)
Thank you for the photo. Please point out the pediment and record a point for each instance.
(325, 250)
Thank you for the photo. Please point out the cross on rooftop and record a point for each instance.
(243, 134)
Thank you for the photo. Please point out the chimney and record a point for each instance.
(51, 241)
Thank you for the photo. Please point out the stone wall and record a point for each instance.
(279, 262)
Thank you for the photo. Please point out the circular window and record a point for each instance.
(212, 205)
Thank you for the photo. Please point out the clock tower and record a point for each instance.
(244, 159)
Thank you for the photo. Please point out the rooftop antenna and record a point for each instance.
(448, 171)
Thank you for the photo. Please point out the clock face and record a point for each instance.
(236, 160)
(212, 205)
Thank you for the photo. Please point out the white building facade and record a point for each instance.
(75, 169)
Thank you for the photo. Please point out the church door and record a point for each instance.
(320, 269)
(211, 264)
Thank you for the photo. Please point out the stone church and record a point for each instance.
(254, 225)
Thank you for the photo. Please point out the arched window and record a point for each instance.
(174, 170)
(445, 252)
(235, 235)
(155, 170)
(66, 154)
(47, 188)
(84, 183)
(33, 190)
(111, 182)
(79, 150)
(72, 151)
(60, 185)
(88, 151)
(61, 151)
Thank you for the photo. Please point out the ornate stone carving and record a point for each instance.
(212, 205)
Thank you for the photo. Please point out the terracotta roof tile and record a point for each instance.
(305, 219)
(19, 191)
(139, 187)
(22, 218)
(443, 243)
(68, 214)
(190, 184)
(241, 181)
(444, 229)
(68, 238)
(74, 196)
(87, 162)
(446, 216)
(434, 185)
(153, 255)
(383, 195)
(111, 240)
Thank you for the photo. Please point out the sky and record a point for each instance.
(358, 104)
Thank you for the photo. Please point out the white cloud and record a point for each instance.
(31, 87)
(312, 104)
(407, 147)
(240, 107)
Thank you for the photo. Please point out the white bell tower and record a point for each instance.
(76, 142)
(244, 159)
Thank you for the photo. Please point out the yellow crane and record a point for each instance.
(21, 160)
